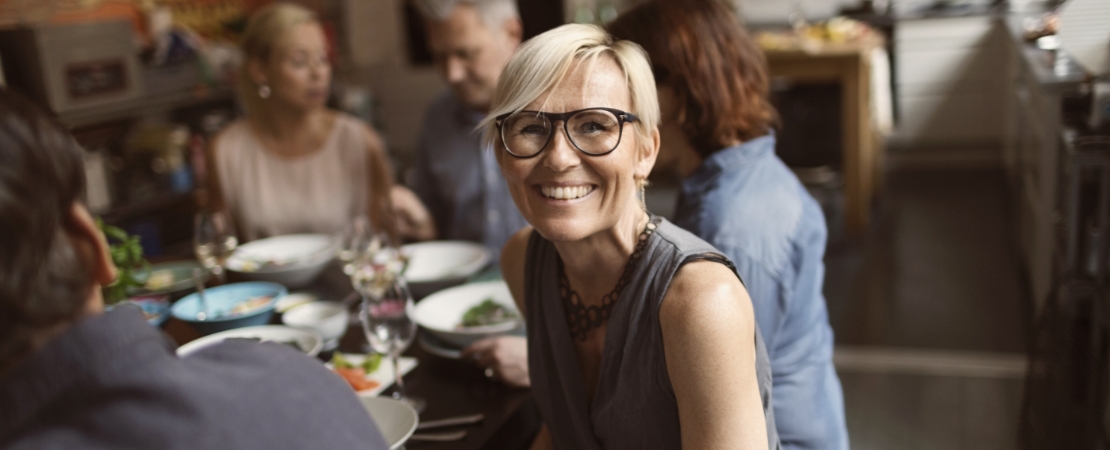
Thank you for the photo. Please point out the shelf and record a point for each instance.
(143, 106)
(131, 210)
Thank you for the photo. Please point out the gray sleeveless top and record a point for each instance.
(634, 406)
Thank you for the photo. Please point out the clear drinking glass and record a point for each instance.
(213, 241)
(354, 242)
(387, 318)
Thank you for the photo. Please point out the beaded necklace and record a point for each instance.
(582, 319)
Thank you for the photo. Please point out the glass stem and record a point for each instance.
(400, 392)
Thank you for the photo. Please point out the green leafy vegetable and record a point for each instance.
(370, 364)
(127, 254)
(488, 312)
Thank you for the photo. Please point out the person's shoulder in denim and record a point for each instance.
(747, 203)
(459, 180)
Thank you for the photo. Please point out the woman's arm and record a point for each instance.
(393, 208)
(512, 264)
(380, 205)
(214, 197)
(709, 342)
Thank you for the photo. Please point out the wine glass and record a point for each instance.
(213, 241)
(356, 242)
(387, 317)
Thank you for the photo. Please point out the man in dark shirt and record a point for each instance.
(74, 376)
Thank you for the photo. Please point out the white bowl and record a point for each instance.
(441, 313)
(395, 419)
(294, 260)
(438, 265)
(309, 341)
(329, 319)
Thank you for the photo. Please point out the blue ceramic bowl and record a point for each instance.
(156, 307)
(222, 299)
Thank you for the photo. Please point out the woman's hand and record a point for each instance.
(412, 218)
(504, 357)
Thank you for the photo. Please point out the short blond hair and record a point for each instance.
(261, 38)
(543, 61)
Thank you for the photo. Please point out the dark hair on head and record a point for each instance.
(43, 281)
(718, 74)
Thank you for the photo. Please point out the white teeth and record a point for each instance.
(565, 193)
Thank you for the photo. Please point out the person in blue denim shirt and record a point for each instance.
(717, 133)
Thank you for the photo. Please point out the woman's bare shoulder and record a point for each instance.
(369, 135)
(703, 295)
(234, 130)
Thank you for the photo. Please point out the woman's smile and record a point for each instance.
(564, 192)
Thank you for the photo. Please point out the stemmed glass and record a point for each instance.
(356, 241)
(387, 312)
(213, 241)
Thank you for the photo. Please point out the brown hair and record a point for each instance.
(718, 74)
(43, 279)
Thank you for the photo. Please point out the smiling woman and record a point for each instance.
(640, 335)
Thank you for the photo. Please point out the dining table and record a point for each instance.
(450, 387)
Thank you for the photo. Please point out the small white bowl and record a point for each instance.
(441, 313)
(293, 300)
(329, 319)
(395, 419)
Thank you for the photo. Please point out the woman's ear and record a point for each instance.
(647, 154)
(257, 70)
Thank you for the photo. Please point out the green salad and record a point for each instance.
(370, 364)
(486, 313)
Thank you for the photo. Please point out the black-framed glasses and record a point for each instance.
(593, 131)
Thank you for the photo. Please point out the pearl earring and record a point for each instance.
(264, 91)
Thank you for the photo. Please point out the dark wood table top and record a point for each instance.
(450, 387)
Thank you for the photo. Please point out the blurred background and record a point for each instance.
(959, 148)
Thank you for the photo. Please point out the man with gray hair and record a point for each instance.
(454, 175)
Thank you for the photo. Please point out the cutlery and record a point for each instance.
(199, 280)
(438, 437)
(451, 421)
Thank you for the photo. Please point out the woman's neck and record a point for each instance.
(594, 264)
(291, 131)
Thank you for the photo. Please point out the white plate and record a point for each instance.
(444, 260)
(433, 345)
(284, 253)
(441, 313)
(395, 419)
(384, 375)
(309, 341)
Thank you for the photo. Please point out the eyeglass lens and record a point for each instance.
(591, 131)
